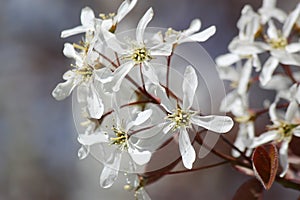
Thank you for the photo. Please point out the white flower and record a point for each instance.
(244, 45)
(269, 11)
(110, 22)
(136, 53)
(189, 35)
(280, 49)
(282, 131)
(237, 103)
(119, 137)
(182, 118)
(88, 23)
(83, 76)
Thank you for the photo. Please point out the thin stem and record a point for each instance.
(289, 73)
(219, 154)
(142, 78)
(198, 168)
(168, 73)
(235, 148)
(117, 58)
(265, 110)
(108, 59)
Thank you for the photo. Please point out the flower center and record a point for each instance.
(85, 72)
(285, 130)
(180, 117)
(278, 43)
(120, 139)
(140, 55)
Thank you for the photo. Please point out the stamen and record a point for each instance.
(180, 117)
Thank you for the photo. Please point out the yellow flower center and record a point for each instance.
(120, 139)
(85, 72)
(180, 117)
(140, 55)
(285, 130)
(278, 43)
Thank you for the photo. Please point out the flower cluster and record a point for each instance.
(265, 53)
(108, 68)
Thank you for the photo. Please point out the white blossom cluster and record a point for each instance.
(265, 52)
(105, 68)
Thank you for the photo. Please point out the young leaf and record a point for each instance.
(265, 164)
(250, 190)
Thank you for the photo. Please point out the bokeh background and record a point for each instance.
(38, 146)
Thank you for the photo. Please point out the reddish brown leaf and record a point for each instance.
(265, 164)
(250, 190)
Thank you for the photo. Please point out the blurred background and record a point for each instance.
(38, 146)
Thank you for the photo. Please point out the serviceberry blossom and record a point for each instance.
(182, 118)
(136, 53)
(281, 131)
(119, 137)
(134, 99)
(82, 77)
(189, 35)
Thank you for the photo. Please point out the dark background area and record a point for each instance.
(38, 146)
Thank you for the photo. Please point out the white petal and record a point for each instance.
(143, 24)
(95, 138)
(290, 22)
(120, 74)
(283, 157)
(269, 3)
(229, 73)
(124, 9)
(140, 157)
(286, 58)
(94, 103)
(229, 101)
(87, 17)
(73, 31)
(168, 127)
(264, 138)
(70, 52)
(297, 131)
(195, 26)
(256, 63)
(291, 111)
(186, 149)
(272, 30)
(165, 101)
(82, 92)
(245, 77)
(110, 171)
(113, 42)
(104, 75)
(141, 118)
(63, 90)
(278, 82)
(149, 72)
(69, 74)
(218, 124)
(268, 69)
(273, 113)
(227, 59)
(241, 47)
(239, 143)
(83, 152)
(162, 49)
(201, 36)
(293, 47)
(189, 86)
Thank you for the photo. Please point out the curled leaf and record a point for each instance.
(265, 164)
